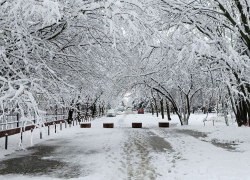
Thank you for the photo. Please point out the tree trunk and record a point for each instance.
(248, 113)
(205, 110)
(156, 108)
(188, 111)
(168, 111)
(162, 109)
(70, 116)
(152, 108)
(244, 112)
(103, 110)
(184, 115)
(94, 111)
(183, 108)
(225, 111)
(99, 110)
(238, 115)
(87, 109)
(78, 112)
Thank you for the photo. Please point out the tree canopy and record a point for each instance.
(189, 53)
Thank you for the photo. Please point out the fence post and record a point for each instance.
(6, 141)
(41, 135)
(65, 124)
(55, 127)
(60, 125)
(48, 130)
(73, 122)
(213, 122)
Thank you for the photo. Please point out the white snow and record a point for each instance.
(126, 153)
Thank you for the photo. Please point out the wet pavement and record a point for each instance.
(201, 135)
(159, 144)
(32, 163)
(38, 160)
(195, 134)
(137, 151)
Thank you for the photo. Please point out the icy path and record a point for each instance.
(126, 153)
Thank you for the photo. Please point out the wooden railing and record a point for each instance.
(27, 128)
(17, 130)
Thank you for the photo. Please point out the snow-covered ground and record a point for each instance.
(179, 152)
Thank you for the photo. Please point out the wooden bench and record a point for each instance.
(163, 124)
(136, 125)
(85, 125)
(108, 125)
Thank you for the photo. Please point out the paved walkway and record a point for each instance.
(120, 153)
